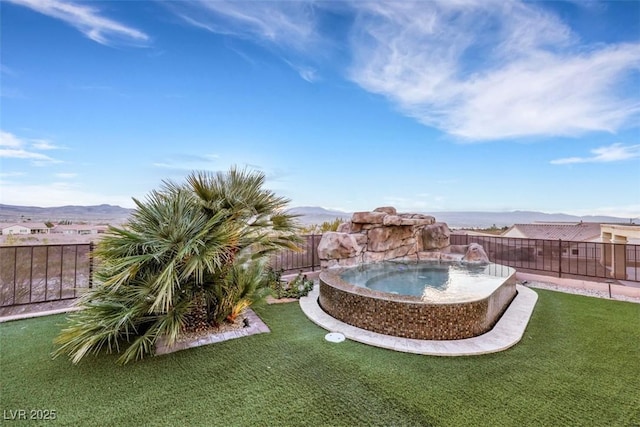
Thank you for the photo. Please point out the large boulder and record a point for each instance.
(403, 220)
(334, 245)
(386, 238)
(345, 227)
(434, 236)
(386, 209)
(476, 254)
(368, 217)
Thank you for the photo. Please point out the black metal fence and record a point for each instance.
(290, 261)
(37, 274)
(609, 261)
(43, 273)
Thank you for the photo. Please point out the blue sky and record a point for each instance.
(426, 106)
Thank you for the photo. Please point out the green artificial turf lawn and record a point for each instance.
(577, 364)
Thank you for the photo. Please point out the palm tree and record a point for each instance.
(191, 256)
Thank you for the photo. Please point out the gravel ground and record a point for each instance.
(579, 291)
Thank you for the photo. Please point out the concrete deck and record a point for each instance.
(506, 333)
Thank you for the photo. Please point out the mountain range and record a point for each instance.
(97, 213)
(307, 215)
(465, 219)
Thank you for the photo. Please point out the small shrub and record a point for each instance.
(299, 287)
(274, 278)
(324, 227)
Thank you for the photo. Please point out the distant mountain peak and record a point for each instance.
(104, 213)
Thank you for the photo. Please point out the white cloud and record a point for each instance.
(289, 26)
(16, 148)
(43, 144)
(307, 73)
(10, 140)
(66, 175)
(23, 154)
(476, 69)
(491, 70)
(11, 174)
(612, 153)
(87, 20)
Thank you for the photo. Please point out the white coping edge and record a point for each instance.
(505, 334)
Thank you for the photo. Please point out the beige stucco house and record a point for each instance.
(623, 239)
(25, 228)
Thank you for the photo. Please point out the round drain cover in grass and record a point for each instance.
(334, 337)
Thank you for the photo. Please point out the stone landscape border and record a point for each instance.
(256, 326)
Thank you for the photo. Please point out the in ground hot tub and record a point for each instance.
(424, 300)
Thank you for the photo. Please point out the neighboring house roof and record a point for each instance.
(11, 225)
(474, 233)
(27, 225)
(80, 227)
(580, 232)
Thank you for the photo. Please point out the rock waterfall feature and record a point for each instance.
(384, 234)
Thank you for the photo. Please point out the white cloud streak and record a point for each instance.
(612, 153)
(12, 147)
(44, 145)
(289, 26)
(23, 154)
(11, 174)
(87, 20)
(307, 73)
(10, 140)
(491, 70)
(478, 70)
(66, 175)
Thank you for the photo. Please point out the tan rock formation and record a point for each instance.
(385, 238)
(435, 236)
(475, 253)
(384, 234)
(386, 209)
(368, 217)
(334, 245)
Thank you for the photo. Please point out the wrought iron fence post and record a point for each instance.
(15, 273)
(559, 257)
(46, 273)
(313, 252)
(31, 276)
(91, 247)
